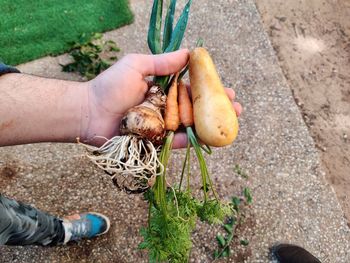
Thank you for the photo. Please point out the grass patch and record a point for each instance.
(32, 29)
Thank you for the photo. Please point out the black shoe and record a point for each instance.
(286, 253)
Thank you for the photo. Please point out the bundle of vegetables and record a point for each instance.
(136, 162)
(173, 211)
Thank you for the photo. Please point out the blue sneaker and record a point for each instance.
(87, 225)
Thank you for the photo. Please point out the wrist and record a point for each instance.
(96, 120)
(72, 105)
(84, 114)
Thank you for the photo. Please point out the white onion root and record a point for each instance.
(131, 162)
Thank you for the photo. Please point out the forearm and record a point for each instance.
(34, 109)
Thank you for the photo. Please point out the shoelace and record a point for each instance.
(79, 229)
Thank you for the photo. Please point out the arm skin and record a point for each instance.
(35, 109)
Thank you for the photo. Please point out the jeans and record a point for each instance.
(22, 224)
(7, 69)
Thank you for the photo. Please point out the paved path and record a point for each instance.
(292, 200)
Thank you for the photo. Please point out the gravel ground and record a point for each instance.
(292, 200)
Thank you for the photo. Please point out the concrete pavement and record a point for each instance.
(292, 200)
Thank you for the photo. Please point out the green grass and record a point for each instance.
(30, 29)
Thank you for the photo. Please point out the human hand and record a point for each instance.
(123, 86)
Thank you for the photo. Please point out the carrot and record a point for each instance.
(185, 106)
(214, 117)
(172, 118)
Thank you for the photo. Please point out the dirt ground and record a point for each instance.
(312, 41)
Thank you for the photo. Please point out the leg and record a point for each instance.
(21, 224)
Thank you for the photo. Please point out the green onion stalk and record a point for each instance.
(171, 41)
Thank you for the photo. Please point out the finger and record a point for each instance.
(163, 64)
(180, 140)
(230, 93)
(238, 108)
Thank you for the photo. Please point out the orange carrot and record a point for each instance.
(185, 106)
(172, 118)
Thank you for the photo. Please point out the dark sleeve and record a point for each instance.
(7, 69)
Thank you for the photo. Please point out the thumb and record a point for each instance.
(163, 64)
